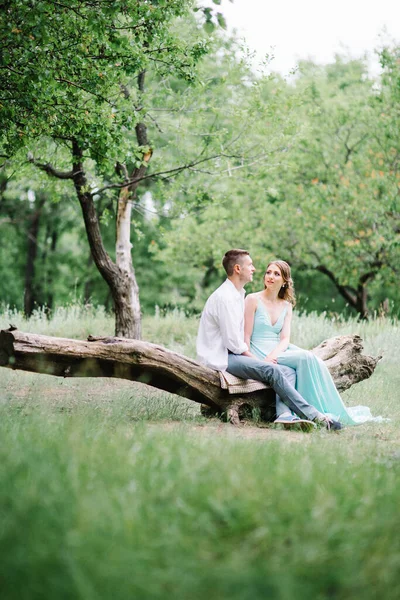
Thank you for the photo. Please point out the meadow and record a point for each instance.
(110, 489)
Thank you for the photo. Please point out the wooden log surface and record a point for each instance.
(164, 369)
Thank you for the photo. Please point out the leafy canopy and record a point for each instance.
(67, 68)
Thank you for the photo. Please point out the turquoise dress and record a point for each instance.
(313, 380)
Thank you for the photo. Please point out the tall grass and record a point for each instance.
(71, 321)
(111, 490)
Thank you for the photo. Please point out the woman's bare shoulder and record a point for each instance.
(288, 305)
(253, 296)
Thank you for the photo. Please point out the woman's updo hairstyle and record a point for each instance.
(287, 290)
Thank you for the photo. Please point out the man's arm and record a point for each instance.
(231, 332)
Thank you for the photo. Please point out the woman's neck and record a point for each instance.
(270, 295)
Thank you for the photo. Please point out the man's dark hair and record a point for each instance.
(232, 258)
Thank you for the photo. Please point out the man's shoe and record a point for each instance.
(289, 421)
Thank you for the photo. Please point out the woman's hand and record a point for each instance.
(271, 358)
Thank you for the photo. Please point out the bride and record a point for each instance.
(268, 316)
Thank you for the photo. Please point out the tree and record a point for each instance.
(86, 93)
(230, 209)
(343, 189)
(166, 370)
(331, 202)
(41, 241)
(92, 97)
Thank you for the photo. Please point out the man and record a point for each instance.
(220, 343)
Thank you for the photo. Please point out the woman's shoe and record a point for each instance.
(330, 424)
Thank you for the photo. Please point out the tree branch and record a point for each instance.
(170, 171)
(163, 369)
(140, 81)
(350, 149)
(367, 276)
(62, 80)
(348, 293)
(50, 170)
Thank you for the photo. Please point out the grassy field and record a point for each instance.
(109, 489)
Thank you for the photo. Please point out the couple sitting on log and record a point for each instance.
(250, 338)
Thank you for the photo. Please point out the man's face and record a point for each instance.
(246, 270)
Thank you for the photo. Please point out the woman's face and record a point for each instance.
(273, 277)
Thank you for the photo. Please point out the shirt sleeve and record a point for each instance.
(231, 327)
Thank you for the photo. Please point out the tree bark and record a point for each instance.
(33, 232)
(166, 370)
(120, 276)
(127, 310)
(117, 276)
(53, 230)
(127, 306)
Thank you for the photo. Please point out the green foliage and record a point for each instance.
(327, 195)
(341, 189)
(76, 79)
(306, 171)
(212, 17)
(87, 79)
(62, 271)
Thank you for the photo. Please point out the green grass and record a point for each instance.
(109, 489)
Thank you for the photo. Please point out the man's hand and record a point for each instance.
(249, 354)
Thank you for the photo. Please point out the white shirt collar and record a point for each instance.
(230, 283)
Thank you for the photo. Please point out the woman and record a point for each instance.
(268, 316)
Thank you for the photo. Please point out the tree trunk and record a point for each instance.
(87, 290)
(356, 298)
(127, 323)
(52, 234)
(166, 370)
(127, 308)
(119, 276)
(362, 297)
(33, 232)
(128, 317)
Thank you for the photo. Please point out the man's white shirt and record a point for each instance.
(221, 327)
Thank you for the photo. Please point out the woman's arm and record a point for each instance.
(284, 337)
(250, 306)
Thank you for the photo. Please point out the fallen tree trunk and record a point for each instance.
(166, 370)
